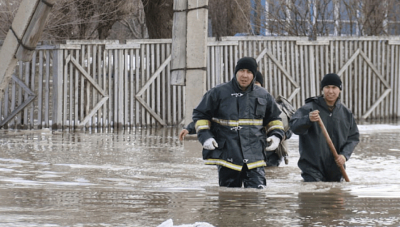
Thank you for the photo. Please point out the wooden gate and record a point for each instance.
(383, 87)
(29, 97)
(293, 67)
(117, 85)
(293, 88)
(68, 75)
(105, 84)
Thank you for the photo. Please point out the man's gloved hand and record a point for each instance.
(210, 144)
(273, 142)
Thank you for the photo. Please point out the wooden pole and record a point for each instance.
(22, 37)
(333, 149)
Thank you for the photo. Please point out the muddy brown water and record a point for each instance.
(143, 177)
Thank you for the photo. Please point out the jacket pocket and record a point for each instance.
(261, 107)
(218, 152)
(221, 143)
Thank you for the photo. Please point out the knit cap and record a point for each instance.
(259, 78)
(247, 63)
(331, 79)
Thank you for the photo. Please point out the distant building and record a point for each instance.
(325, 17)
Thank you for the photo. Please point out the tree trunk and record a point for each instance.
(159, 18)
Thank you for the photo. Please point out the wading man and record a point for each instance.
(190, 129)
(316, 160)
(274, 158)
(234, 120)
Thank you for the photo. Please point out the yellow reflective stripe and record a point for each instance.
(250, 121)
(234, 166)
(238, 122)
(256, 164)
(225, 122)
(223, 163)
(277, 124)
(202, 124)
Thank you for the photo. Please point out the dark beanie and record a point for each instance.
(247, 63)
(331, 79)
(259, 78)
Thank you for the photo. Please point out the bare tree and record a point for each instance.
(87, 19)
(8, 8)
(288, 18)
(374, 12)
(127, 19)
(95, 19)
(332, 17)
(229, 17)
(136, 24)
(159, 18)
(117, 11)
(76, 19)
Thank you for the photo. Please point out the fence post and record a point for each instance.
(58, 61)
(312, 71)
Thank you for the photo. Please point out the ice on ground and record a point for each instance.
(170, 223)
(367, 129)
(380, 128)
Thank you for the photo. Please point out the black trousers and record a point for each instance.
(249, 178)
(273, 159)
(314, 175)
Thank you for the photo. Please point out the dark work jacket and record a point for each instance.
(316, 159)
(190, 127)
(244, 142)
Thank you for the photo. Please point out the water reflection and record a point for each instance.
(327, 208)
(143, 177)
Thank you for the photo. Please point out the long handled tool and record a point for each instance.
(333, 149)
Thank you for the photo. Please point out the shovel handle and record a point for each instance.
(333, 149)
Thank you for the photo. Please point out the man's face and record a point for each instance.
(244, 77)
(331, 94)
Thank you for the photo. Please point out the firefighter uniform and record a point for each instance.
(239, 121)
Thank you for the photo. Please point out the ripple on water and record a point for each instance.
(146, 176)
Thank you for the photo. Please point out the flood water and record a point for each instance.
(146, 177)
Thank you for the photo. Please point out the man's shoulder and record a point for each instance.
(312, 99)
(260, 91)
(216, 87)
(220, 89)
(221, 86)
(345, 109)
(309, 106)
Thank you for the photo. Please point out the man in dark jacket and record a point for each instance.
(274, 158)
(234, 120)
(190, 129)
(316, 160)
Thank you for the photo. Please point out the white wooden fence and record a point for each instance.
(106, 84)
